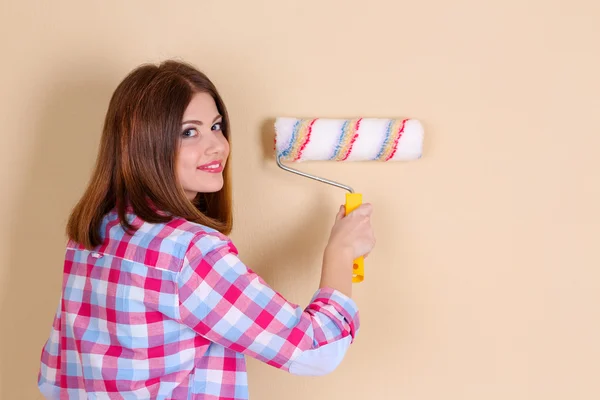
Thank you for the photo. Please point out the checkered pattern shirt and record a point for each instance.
(171, 312)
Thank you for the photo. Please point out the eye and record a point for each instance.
(217, 126)
(191, 132)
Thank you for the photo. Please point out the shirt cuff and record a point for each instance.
(342, 303)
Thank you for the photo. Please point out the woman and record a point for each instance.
(156, 303)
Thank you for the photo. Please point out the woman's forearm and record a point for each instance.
(337, 270)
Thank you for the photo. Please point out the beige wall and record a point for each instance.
(485, 281)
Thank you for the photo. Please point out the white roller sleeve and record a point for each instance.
(359, 139)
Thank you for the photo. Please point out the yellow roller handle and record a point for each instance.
(353, 200)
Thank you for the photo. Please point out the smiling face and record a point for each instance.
(203, 149)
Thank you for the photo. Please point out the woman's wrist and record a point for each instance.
(337, 269)
(338, 256)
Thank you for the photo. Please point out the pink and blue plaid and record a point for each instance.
(170, 313)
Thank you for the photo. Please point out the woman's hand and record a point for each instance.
(353, 233)
(351, 237)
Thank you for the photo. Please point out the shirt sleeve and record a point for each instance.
(227, 303)
(48, 375)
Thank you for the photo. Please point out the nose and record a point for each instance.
(215, 144)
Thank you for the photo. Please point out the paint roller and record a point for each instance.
(359, 139)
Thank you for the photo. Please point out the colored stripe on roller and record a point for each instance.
(396, 140)
(306, 140)
(389, 147)
(348, 136)
(299, 140)
(285, 153)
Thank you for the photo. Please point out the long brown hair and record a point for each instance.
(136, 161)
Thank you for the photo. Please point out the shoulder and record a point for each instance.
(161, 245)
(199, 240)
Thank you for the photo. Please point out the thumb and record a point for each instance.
(341, 213)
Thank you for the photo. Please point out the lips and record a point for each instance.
(214, 167)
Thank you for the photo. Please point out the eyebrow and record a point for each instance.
(195, 121)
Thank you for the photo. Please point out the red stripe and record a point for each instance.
(305, 141)
(397, 140)
(353, 139)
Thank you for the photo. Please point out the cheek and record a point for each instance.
(225, 146)
(186, 161)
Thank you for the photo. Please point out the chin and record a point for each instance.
(215, 190)
(209, 188)
(209, 184)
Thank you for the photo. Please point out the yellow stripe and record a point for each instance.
(301, 136)
(389, 144)
(346, 139)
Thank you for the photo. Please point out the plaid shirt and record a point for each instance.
(170, 313)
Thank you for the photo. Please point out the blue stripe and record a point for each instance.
(387, 137)
(340, 140)
(287, 151)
